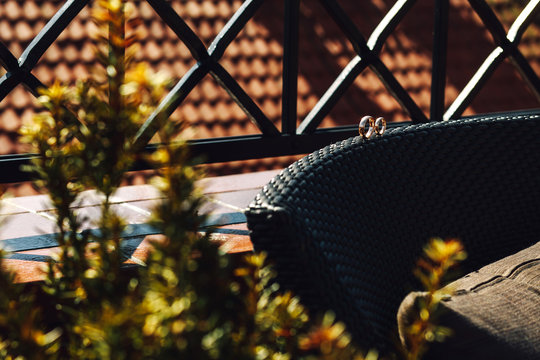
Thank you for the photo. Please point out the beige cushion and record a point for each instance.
(494, 312)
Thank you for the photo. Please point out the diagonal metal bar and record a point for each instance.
(7, 60)
(397, 91)
(169, 104)
(358, 64)
(474, 86)
(32, 83)
(490, 20)
(50, 32)
(526, 71)
(496, 29)
(235, 24)
(387, 78)
(350, 30)
(289, 95)
(438, 69)
(332, 96)
(8, 82)
(507, 48)
(388, 24)
(243, 100)
(18, 75)
(515, 33)
(180, 28)
(207, 59)
(523, 21)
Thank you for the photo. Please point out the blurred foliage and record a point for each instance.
(189, 300)
(434, 270)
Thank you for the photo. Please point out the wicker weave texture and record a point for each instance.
(345, 224)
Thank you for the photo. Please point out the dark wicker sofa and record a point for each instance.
(344, 225)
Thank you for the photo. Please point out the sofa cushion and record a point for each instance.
(494, 312)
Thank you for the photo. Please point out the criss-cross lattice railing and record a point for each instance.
(291, 139)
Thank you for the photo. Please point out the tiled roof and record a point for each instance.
(254, 60)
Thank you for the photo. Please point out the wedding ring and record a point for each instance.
(366, 127)
(380, 126)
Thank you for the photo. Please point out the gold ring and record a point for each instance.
(380, 126)
(366, 127)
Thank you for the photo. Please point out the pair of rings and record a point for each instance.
(368, 126)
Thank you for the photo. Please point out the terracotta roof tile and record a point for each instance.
(153, 51)
(62, 73)
(170, 51)
(10, 121)
(210, 91)
(270, 108)
(53, 54)
(272, 87)
(254, 59)
(80, 71)
(273, 65)
(208, 114)
(180, 68)
(185, 54)
(157, 31)
(24, 31)
(6, 143)
(260, 47)
(6, 30)
(195, 95)
(243, 69)
(237, 113)
(246, 47)
(77, 30)
(239, 127)
(255, 88)
(16, 48)
(25, 118)
(223, 112)
(206, 31)
(20, 100)
(31, 10)
(224, 10)
(193, 10)
(87, 53)
(71, 54)
(38, 25)
(43, 73)
(219, 24)
(275, 48)
(179, 8)
(12, 10)
(49, 8)
(209, 10)
(189, 112)
(145, 11)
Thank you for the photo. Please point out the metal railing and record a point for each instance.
(291, 139)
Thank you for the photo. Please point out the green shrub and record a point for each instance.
(190, 300)
(434, 270)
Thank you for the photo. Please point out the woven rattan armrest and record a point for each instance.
(345, 224)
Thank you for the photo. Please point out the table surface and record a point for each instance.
(27, 224)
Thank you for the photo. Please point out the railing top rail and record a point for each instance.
(307, 136)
